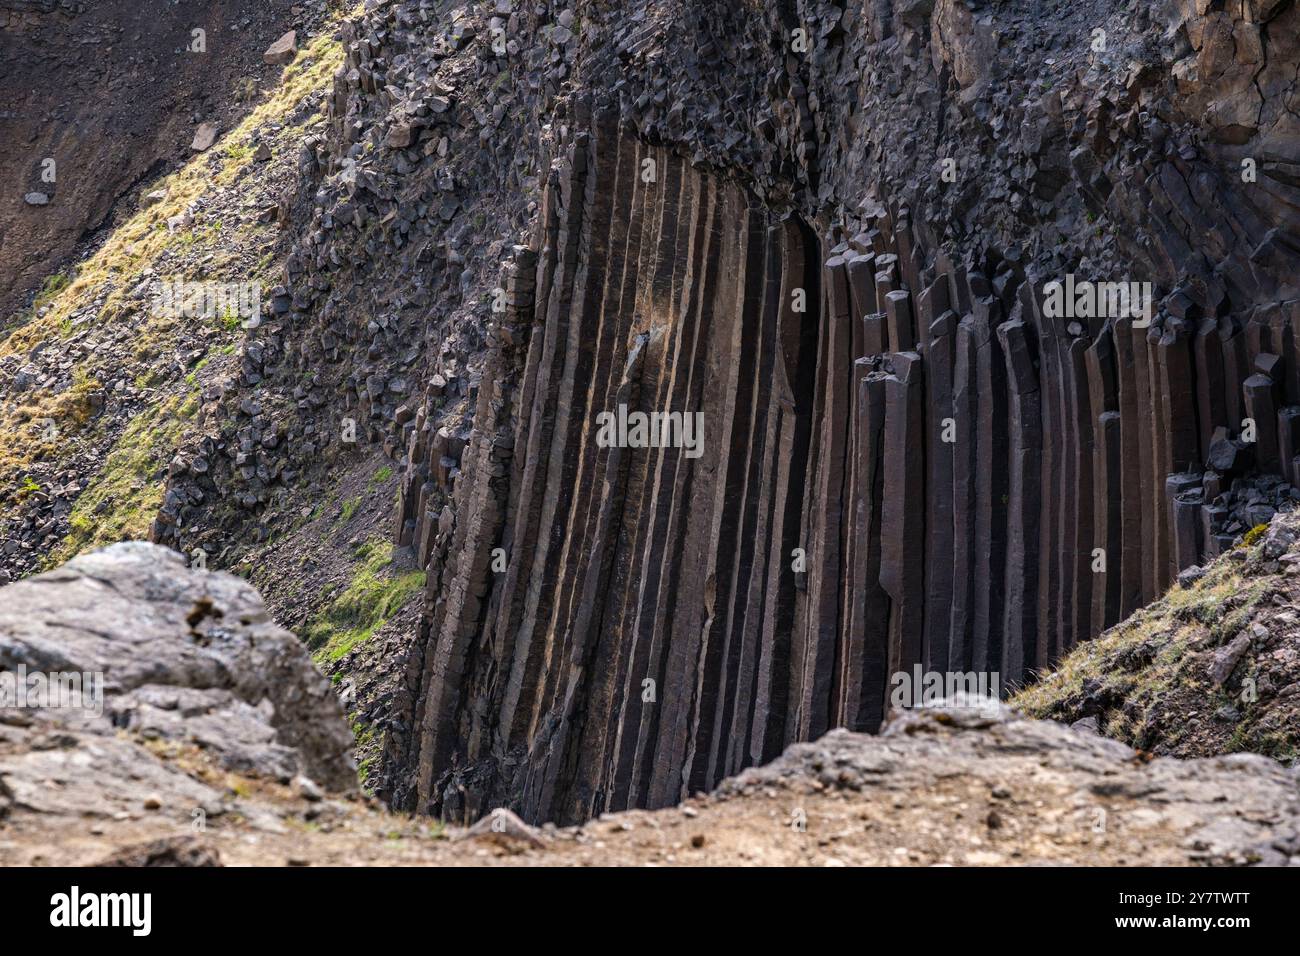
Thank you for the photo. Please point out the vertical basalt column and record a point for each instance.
(1178, 403)
(660, 608)
(1261, 406)
(902, 531)
(733, 712)
(696, 575)
(1060, 539)
(1020, 611)
(864, 660)
(941, 427)
(1211, 408)
(898, 312)
(556, 628)
(794, 378)
(1109, 491)
(967, 570)
(1236, 369)
(652, 214)
(1291, 335)
(1143, 379)
(597, 348)
(813, 663)
(624, 344)
(1081, 528)
(868, 335)
(1049, 375)
(1107, 487)
(1288, 441)
(453, 626)
(1184, 505)
(991, 494)
(561, 262)
(735, 507)
(1129, 488)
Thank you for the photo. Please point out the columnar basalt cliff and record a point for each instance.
(650, 416)
(923, 444)
(987, 313)
(627, 576)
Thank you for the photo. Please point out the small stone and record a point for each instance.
(36, 199)
(204, 137)
(282, 50)
(1226, 658)
(504, 826)
(1086, 725)
(307, 789)
(399, 135)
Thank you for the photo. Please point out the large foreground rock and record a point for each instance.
(191, 663)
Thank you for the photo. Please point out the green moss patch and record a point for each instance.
(377, 592)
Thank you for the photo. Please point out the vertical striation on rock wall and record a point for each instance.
(632, 638)
(913, 457)
(905, 462)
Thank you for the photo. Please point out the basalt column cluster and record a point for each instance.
(906, 461)
(991, 483)
(608, 626)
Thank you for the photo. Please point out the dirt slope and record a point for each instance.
(113, 92)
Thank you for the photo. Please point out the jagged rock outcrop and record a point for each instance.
(950, 459)
(1051, 790)
(168, 660)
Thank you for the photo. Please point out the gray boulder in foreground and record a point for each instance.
(191, 664)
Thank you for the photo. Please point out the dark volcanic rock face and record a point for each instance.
(968, 453)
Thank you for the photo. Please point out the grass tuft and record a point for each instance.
(375, 594)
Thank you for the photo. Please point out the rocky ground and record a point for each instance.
(218, 742)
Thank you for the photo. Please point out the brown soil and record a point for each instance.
(114, 95)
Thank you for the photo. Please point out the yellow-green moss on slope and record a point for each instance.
(119, 501)
(377, 591)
